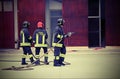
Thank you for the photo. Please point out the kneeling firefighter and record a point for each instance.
(58, 43)
(25, 43)
(39, 39)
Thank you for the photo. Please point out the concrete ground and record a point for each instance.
(86, 63)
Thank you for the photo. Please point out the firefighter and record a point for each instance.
(39, 39)
(25, 43)
(58, 43)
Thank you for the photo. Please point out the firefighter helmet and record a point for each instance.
(40, 24)
(26, 24)
(60, 21)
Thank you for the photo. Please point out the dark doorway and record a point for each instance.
(96, 23)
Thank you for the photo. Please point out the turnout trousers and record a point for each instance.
(59, 53)
(37, 50)
(27, 50)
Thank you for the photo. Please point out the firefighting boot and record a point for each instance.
(56, 63)
(46, 61)
(23, 61)
(31, 59)
(61, 61)
(37, 62)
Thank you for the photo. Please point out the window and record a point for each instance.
(53, 12)
(7, 5)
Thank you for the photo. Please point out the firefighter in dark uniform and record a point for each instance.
(58, 43)
(39, 39)
(25, 43)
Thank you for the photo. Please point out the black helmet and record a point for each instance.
(26, 24)
(60, 21)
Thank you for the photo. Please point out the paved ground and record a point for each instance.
(86, 63)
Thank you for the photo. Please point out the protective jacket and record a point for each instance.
(25, 38)
(58, 37)
(39, 37)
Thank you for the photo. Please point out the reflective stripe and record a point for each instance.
(46, 55)
(57, 57)
(57, 45)
(23, 37)
(37, 56)
(25, 44)
(36, 38)
(62, 55)
(41, 45)
(30, 56)
(43, 41)
(60, 36)
(23, 40)
(24, 56)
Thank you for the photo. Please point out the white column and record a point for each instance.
(15, 23)
(100, 23)
(47, 21)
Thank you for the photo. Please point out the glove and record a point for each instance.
(33, 42)
(68, 34)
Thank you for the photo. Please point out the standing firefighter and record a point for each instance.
(39, 39)
(25, 43)
(58, 43)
